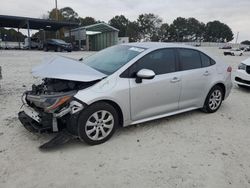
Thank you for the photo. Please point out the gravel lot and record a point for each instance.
(187, 150)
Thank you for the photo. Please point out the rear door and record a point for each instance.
(159, 95)
(196, 77)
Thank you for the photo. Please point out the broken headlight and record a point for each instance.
(53, 103)
(49, 103)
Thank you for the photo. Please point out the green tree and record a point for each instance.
(11, 35)
(149, 25)
(163, 33)
(218, 32)
(246, 42)
(179, 29)
(133, 32)
(87, 21)
(55, 14)
(121, 23)
(195, 29)
(68, 14)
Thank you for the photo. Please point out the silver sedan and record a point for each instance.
(124, 85)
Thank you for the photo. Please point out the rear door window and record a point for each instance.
(189, 59)
(205, 60)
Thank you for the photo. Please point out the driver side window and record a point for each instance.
(160, 61)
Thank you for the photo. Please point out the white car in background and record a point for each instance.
(234, 52)
(242, 75)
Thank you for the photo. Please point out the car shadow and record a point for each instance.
(244, 89)
(123, 131)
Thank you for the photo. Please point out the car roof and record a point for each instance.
(157, 45)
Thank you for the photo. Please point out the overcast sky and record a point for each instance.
(235, 13)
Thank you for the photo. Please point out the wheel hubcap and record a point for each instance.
(215, 99)
(99, 125)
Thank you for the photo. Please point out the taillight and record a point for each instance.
(229, 69)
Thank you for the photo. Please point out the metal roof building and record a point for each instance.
(34, 23)
(95, 37)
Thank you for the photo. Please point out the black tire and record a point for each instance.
(86, 116)
(207, 108)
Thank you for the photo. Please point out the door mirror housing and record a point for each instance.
(144, 74)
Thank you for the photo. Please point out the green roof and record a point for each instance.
(99, 27)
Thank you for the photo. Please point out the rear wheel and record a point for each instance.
(213, 100)
(97, 123)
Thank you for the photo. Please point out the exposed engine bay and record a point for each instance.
(50, 86)
(47, 105)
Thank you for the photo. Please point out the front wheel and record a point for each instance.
(97, 123)
(213, 100)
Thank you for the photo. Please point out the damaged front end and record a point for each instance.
(51, 106)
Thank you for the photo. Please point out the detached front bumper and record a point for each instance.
(35, 121)
(40, 122)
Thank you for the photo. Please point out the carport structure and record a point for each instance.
(34, 23)
(95, 37)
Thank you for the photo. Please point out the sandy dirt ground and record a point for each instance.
(187, 150)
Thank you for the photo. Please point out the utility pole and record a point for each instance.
(56, 11)
(56, 17)
(237, 36)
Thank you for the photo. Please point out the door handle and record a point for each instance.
(175, 79)
(206, 73)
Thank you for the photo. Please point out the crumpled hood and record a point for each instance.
(59, 67)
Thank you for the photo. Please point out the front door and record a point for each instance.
(159, 95)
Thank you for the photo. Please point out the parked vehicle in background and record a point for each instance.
(226, 47)
(242, 75)
(234, 52)
(57, 45)
(246, 49)
(123, 85)
(35, 43)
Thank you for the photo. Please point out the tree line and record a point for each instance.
(149, 27)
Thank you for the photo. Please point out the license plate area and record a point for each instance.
(32, 113)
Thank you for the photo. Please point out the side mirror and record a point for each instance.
(144, 74)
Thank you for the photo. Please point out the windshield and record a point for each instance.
(111, 59)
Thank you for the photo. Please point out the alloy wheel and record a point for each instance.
(215, 99)
(99, 125)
